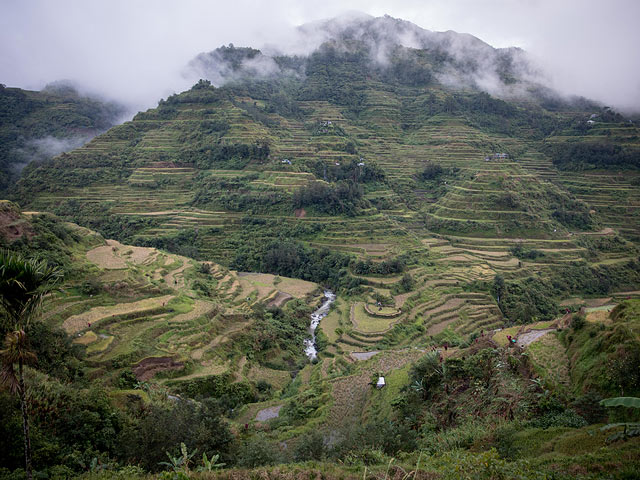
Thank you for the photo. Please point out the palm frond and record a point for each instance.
(23, 286)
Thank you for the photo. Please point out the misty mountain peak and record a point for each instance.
(456, 60)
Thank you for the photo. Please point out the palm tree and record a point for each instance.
(23, 286)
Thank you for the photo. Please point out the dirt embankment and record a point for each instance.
(280, 299)
(12, 225)
(149, 367)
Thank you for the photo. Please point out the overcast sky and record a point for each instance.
(135, 51)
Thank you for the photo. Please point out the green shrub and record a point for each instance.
(310, 447)
(257, 451)
(567, 418)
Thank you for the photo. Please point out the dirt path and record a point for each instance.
(268, 413)
(364, 355)
(531, 336)
(175, 279)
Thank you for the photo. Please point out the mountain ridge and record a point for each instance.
(379, 37)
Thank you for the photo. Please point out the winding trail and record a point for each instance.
(531, 336)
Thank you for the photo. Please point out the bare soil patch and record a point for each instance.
(115, 255)
(12, 227)
(280, 299)
(268, 413)
(149, 367)
(400, 299)
(439, 327)
(106, 258)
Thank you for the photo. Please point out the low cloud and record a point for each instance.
(466, 61)
(45, 148)
(136, 52)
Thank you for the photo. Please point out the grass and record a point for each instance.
(363, 322)
(599, 316)
(278, 379)
(330, 323)
(86, 338)
(540, 325)
(458, 235)
(77, 323)
(501, 337)
(379, 403)
(264, 284)
(550, 360)
(101, 345)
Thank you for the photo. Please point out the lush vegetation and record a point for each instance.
(592, 155)
(483, 250)
(35, 126)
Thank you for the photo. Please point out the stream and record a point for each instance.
(316, 317)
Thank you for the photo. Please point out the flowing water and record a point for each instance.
(316, 317)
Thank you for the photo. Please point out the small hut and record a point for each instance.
(380, 383)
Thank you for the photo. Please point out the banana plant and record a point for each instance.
(180, 463)
(209, 464)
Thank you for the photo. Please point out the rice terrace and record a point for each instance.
(400, 254)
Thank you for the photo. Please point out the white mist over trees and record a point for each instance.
(136, 52)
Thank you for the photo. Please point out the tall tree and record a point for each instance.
(23, 285)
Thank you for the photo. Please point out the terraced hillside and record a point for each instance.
(435, 211)
(151, 312)
(478, 247)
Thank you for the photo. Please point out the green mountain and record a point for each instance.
(36, 126)
(375, 162)
(450, 200)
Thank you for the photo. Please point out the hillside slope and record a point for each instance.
(352, 159)
(460, 229)
(156, 328)
(36, 126)
(148, 311)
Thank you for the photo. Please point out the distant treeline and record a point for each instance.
(293, 259)
(591, 155)
(531, 299)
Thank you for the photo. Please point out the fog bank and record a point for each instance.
(136, 52)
